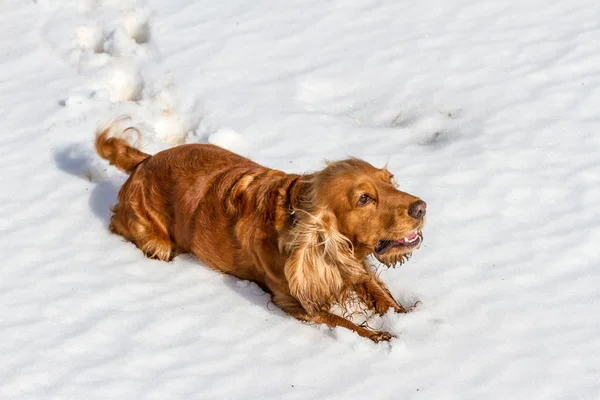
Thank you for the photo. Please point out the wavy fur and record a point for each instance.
(303, 238)
(321, 262)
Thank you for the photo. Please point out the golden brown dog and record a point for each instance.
(303, 238)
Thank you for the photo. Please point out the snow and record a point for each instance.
(487, 110)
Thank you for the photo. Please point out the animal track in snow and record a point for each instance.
(378, 117)
(138, 27)
(125, 83)
(110, 42)
(90, 37)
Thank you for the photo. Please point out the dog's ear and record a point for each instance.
(321, 258)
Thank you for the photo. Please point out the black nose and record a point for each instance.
(417, 209)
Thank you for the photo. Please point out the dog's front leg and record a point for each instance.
(376, 295)
(293, 307)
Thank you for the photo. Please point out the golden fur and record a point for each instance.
(303, 238)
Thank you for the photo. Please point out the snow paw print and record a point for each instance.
(124, 83)
(111, 42)
(90, 37)
(137, 24)
(431, 128)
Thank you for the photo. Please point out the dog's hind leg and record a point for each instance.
(146, 235)
(147, 229)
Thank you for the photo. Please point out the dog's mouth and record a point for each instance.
(410, 241)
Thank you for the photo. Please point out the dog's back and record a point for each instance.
(202, 199)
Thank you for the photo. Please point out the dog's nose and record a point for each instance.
(417, 209)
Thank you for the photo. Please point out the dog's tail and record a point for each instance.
(118, 151)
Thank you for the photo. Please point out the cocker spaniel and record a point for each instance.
(302, 238)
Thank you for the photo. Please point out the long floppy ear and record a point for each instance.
(321, 258)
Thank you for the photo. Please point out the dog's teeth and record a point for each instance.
(407, 240)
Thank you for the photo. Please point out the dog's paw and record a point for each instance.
(381, 336)
(402, 310)
(414, 306)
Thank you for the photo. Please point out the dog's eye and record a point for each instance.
(364, 200)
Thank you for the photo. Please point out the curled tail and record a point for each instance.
(118, 151)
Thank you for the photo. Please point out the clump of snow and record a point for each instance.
(124, 83)
(138, 26)
(90, 37)
(229, 139)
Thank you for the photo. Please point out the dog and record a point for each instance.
(305, 239)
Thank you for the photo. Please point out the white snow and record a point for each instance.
(488, 110)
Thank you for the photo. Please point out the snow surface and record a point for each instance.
(488, 110)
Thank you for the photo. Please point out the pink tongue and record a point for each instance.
(410, 237)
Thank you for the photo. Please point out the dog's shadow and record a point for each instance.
(251, 292)
(79, 161)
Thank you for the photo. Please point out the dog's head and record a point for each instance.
(343, 213)
(370, 211)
